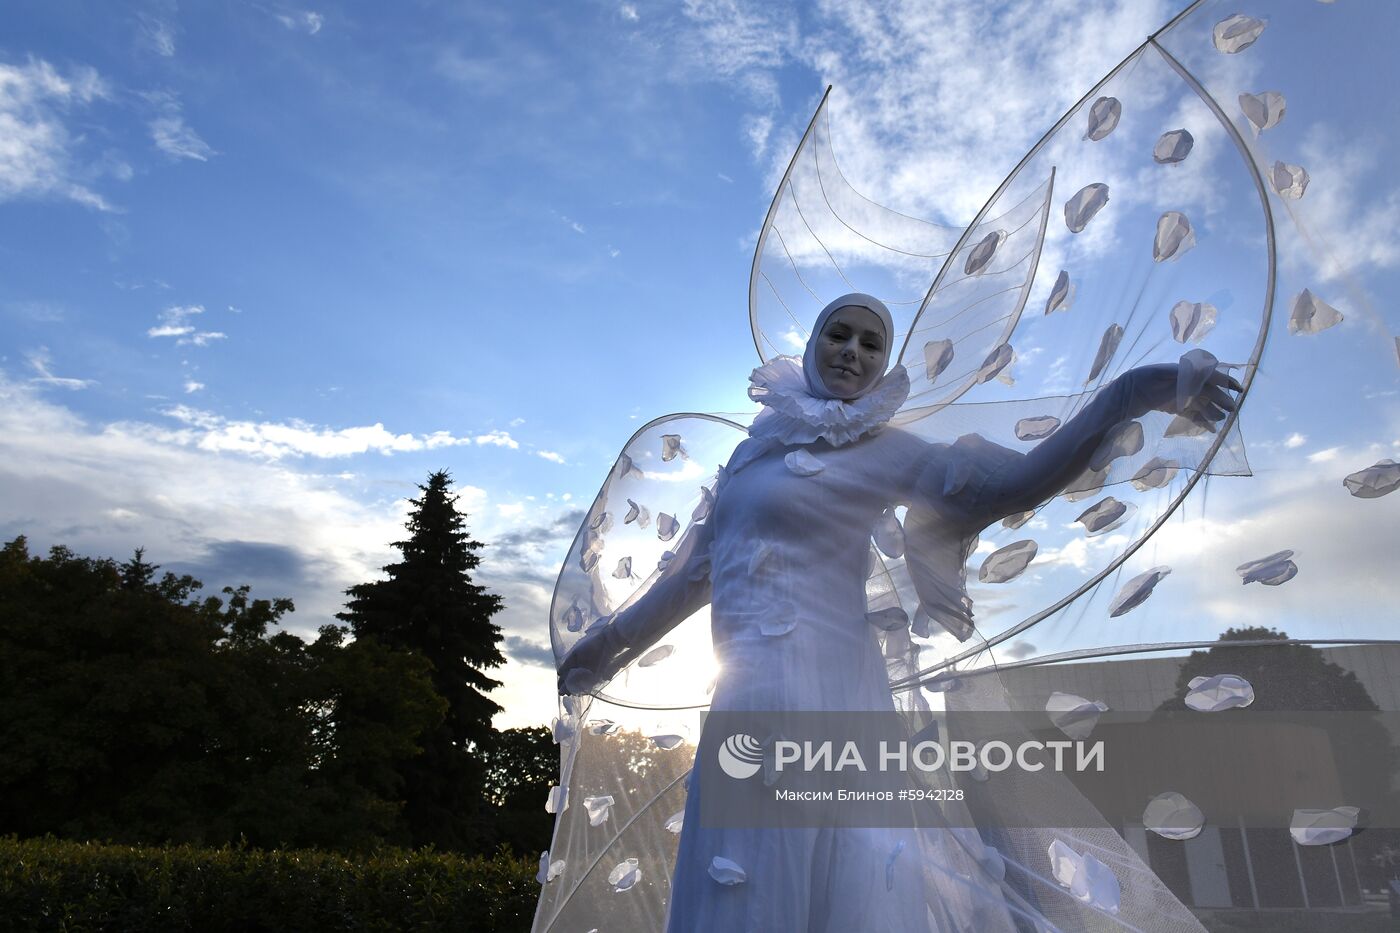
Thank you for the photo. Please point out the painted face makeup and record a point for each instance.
(851, 351)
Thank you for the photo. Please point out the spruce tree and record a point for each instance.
(428, 604)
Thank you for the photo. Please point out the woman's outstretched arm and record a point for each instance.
(961, 488)
(605, 649)
(1024, 481)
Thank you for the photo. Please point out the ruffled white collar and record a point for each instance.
(793, 415)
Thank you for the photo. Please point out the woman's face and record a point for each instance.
(851, 351)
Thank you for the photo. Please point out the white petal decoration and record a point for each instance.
(671, 448)
(602, 727)
(1376, 480)
(1033, 429)
(1192, 320)
(574, 617)
(1263, 111)
(626, 468)
(1135, 592)
(1290, 181)
(1172, 816)
(588, 560)
(1105, 515)
(726, 871)
(996, 361)
(1174, 236)
(1323, 827)
(1236, 33)
(1061, 294)
(937, 355)
(1012, 522)
(1397, 349)
(624, 569)
(666, 526)
(1086, 485)
(666, 740)
(1087, 202)
(887, 620)
(561, 730)
(1155, 474)
(1311, 315)
(889, 534)
(666, 558)
(983, 252)
(1122, 440)
(1074, 715)
(558, 799)
(599, 521)
(707, 502)
(549, 870)
(1088, 879)
(1182, 426)
(1108, 345)
(1270, 571)
(674, 822)
(889, 865)
(637, 513)
(598, 809)
(656, 655)
(1173, 147)
(803, 464)
(1007, 563)
(1220, 692)
(625, 875)
(778, 620)
(1103, 117)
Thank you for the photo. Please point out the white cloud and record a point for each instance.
(498, 438)
(104, 490)
(174, 322)
(756, 130)
(510, 509)
(171, 134)
(307, 21)
(39, 361)
(628, 12)
(1324, 456)
(37, 151)
(550, 456)
(157, 35)
(278, 441)
(1295, 440)
(191, 386)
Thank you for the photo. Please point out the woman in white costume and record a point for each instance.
(782, 560)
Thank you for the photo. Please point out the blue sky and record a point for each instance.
(264, 266)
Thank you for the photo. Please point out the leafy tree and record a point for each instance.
(137, 713)
(427, 603)
(520, 767)
(1289, 678)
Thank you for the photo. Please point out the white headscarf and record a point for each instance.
(799, 408)
(815, 385)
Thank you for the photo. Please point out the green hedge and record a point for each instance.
(49, 884)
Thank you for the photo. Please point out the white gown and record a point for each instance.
(783, 561)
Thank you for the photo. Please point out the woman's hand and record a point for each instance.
(579, 669)
(1195, 388)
